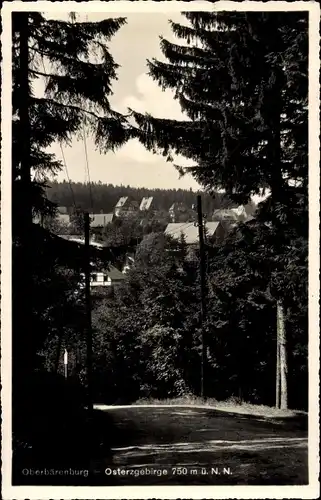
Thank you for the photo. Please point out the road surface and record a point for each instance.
(187, 445)
(168, 445)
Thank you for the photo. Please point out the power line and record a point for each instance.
(63, 155)
(88, 171)
(66, 169)
(203, 295)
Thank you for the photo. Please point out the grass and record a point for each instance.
(231, 405)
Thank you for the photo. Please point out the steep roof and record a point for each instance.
(146, 203)
(189, 230)
(101, 220)
(114, 273)
(121, 202)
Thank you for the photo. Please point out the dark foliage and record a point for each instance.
(48, 306)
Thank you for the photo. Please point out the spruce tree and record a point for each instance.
(73, 59)
(78, 70)
(242, 81)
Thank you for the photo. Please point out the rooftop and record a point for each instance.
(189, 230)
(121, 202)
(114, 273)
(146, 203)
(101, 220)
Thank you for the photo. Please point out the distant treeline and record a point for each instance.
(105, 196)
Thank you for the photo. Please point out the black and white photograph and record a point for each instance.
(159, 249)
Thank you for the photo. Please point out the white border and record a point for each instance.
(171, 492)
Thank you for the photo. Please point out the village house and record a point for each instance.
(106, 278)
(146, 204)
(126, 207)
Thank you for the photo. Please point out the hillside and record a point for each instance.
(105, 196)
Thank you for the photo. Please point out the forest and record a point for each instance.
(105, 196)
(244, 87)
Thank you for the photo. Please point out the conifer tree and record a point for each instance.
(242, 81)
(73, 59)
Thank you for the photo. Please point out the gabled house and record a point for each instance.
(121, 203)
(146, 204)
(125, 206)
(106, 278)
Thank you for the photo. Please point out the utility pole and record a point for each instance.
(278, 378)
(277, 186)
(88, 312)
(203, 291)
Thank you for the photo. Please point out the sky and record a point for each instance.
(133, 165)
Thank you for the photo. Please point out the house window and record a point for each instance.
(94, 277)
(105, 278)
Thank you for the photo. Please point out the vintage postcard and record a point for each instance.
(159, 250)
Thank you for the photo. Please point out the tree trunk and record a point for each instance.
(277, 395)
(23, 344)
(283, 357)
